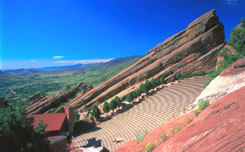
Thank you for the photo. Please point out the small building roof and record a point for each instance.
(54, 121)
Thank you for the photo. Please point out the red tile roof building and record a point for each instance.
(57, 123)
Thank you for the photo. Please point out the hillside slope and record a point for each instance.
(191, 50)
(22, 83)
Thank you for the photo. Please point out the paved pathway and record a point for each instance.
(144, 116)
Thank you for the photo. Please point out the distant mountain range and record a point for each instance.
(61, 67)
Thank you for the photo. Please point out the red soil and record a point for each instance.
(216, 129)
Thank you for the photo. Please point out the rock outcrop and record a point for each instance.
(47, 103)
(222, 129)
(191, 50)
(229, 80)
(34, 98)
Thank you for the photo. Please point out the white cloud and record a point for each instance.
(231, 2)
(32, 60)
(58, 57)
(84, 61)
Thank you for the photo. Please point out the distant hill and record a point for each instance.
(22, 83)
(61, 67)
(8, 79)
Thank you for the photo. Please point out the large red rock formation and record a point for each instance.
(216, 129)
(191, 50)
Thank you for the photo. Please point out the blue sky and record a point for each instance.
(38, 33)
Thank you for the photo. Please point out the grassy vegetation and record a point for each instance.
(188, 120)
(164, 137)
(201, 106)
(20, 84)
(202, 73)
(140, 136)
(175, 130)
(197, 112)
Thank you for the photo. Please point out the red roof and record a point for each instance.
(54, 121)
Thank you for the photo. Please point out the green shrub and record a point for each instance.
(140, 136)
(188, 120)
(134, 94)
(143, 88)
(162, 78)
(178, 75)
(203, 104)
(153, 83)
(149, 147)
(197, 112)
(77, 116)
(164, 137)
(202, 73)
(138, 92)
(148, 85)
(226, 106)
(175, 130)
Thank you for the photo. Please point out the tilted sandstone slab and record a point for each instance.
(47, 103)
(191, 50)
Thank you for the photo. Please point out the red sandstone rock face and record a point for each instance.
(216, 129)
(191, 50)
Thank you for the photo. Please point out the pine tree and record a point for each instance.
(106, 107)
(129, 97)
(17, 132)
(95, 112)
(112, 105)
(118, 101)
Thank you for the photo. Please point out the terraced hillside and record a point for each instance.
(144, 116)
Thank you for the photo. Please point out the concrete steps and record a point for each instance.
(145, 116)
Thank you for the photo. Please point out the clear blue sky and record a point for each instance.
(33, 32)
